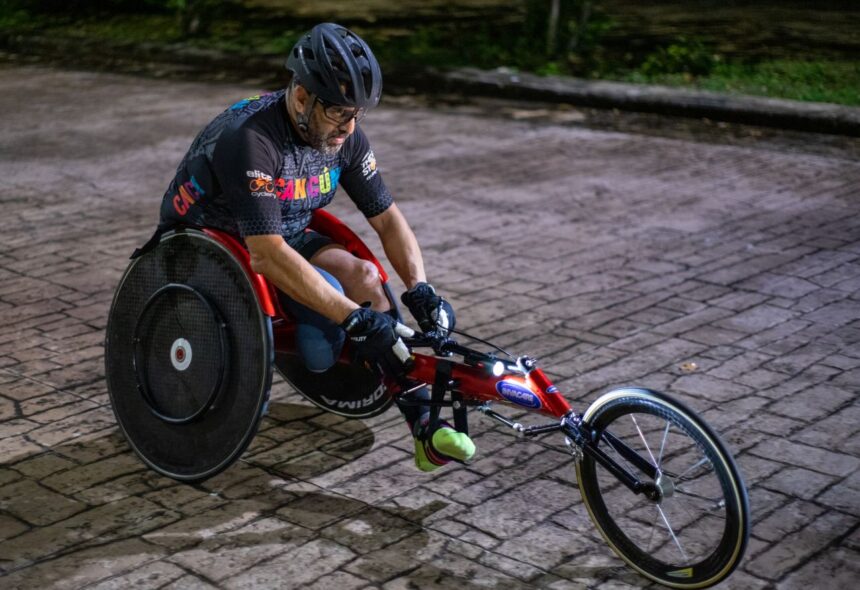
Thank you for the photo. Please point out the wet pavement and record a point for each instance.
(724, 272)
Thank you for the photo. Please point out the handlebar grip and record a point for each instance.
(403, 330)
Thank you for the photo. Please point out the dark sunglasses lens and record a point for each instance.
(343, 115)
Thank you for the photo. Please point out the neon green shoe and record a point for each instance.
(445, 444)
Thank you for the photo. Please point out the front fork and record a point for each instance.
(584, 441)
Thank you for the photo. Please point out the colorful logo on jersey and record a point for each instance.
(189, 193)
(262, 184)
(244, 102)
(293, 189)
(368, 165)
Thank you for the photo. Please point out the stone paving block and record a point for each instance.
(189, 582)
(127, 517)
(301, 565)
(813, 404)
(67, 429)
(738, 363)
(91, 447)
(545, 546)
(713, 336)
(839, 568)
(369, 530)
(757, 319)
(225, 555)
(152, 575)
(136, 484)
(506, 515)
(738, 300)
(23, 389)
(799, 483)
(761, 378)
(453, 570)
(430, 510)
(793, 551)
(84, 568)
(204, 525)
(27, 501)
(17, 448)
(801, 358)
(769, 423)
(10, 527)
(339, 580)
(392, 561)
(779, 285)
(710, 388)
(821, 460)
(788, 519)
(315, 510)
(499, 479)
(691, 321)
(844, 496)
(512, 567)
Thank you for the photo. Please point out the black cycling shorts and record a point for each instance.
(309, 243)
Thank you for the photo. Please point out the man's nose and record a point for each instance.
(348, 127)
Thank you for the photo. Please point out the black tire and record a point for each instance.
(696, 533)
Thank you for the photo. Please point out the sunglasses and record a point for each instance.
(341, 115)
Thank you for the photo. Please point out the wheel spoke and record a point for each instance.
(672, 532)
(712, 504)
(702, 461)
(645, 442)
(653, 528)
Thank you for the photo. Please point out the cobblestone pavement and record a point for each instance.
(615, 258)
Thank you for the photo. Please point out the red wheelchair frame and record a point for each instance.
(533, 391)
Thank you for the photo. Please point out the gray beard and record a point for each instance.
(319, 142)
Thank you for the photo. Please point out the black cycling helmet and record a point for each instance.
(334, 64)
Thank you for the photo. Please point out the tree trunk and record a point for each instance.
(552, 26)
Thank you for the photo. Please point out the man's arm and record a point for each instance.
(400, 245)
(292, 274)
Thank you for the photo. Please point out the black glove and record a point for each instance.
(431, 311)
(372, 334)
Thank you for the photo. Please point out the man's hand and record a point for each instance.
(372, 334)
(431, 311)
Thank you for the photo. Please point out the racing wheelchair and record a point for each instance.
(194, 334)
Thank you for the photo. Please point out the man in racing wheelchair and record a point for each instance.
(261, 167)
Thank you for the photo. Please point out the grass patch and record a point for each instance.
(836, 81)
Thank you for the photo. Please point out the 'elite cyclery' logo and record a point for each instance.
(518, 394)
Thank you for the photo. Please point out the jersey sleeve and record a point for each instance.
(247, 165)
(361, 177)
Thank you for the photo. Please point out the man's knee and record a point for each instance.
(367, 275)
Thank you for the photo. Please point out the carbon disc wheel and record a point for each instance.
(188, 357)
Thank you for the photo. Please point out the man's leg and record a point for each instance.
(360, 280)
(318, 339)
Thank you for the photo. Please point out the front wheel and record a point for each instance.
(691, 529)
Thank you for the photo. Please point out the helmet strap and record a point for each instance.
(302, 117)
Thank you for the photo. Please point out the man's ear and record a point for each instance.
(301, 97)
